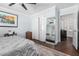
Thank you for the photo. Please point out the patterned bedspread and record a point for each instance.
(18, 46)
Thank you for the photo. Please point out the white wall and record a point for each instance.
(45, 13)
(69, 10)
(23, 23)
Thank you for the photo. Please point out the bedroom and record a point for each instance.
(31, 23)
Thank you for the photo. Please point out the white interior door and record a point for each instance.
(42, 28)
(75, 44)
(75, 34)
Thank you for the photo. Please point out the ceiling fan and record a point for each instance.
(22, 4)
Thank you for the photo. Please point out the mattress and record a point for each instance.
(17, 46)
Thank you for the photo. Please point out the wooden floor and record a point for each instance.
(46, 51)
(65, 47)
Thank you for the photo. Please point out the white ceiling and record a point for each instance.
(35, 8)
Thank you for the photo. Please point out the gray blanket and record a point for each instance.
(17, 46)
(27, 50)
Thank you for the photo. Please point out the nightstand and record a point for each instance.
(28, 35)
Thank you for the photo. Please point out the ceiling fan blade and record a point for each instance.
(24, 6)
(32, 3)
(11, 4)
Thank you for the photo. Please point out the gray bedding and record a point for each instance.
(17, 46)
(26, 50)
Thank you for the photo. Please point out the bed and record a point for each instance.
(17, 46)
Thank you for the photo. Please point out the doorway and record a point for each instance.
(67, 27)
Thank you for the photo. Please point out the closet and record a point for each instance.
(51, 29)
